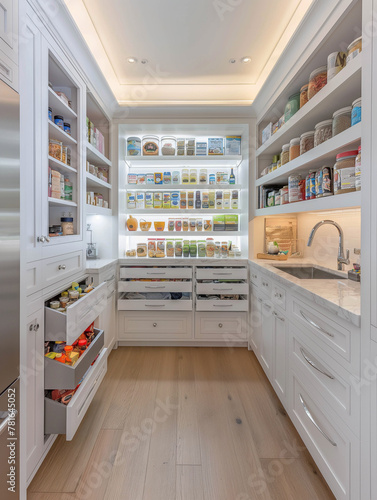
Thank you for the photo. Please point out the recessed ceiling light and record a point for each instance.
(232, 61)
(144, 61)
(246, 60)
(132, 60)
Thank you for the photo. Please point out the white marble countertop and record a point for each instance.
(99, 265)
(340, 296)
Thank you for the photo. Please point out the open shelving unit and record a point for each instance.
(128, 240)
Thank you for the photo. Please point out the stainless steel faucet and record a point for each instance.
(342, 259)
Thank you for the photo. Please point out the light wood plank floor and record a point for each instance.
(175, 423)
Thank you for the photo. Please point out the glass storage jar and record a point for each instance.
(133, 146)
(341, 120)
(318, 79)
(306, 142)
(323, 132)
(292, 106)
(294, 149)
(358, 170)
(344, 172)
(304, 95)
(168, 145)
(151, 145)
(354, 49)
(356, 112)
(284, 157)
(335, 63)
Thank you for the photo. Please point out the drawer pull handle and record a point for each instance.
(222, 274)
(5, 69)
(277, 316)
(222, 305)
(311, 322)
(154, 324)
(4, 424)
(223, 289)
(267, 306)
(314, 422)
(155, 305)
(260, 300)
(220, 325)
(62, 267)
(155, 274)
(156, 286)
(313, 365)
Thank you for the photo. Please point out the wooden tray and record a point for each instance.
(268, 256)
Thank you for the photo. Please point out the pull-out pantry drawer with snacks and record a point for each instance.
(68, 325)
(63, 376)
(61, 418)
(213, 273)
(156, 272)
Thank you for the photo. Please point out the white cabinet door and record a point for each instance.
(31, 139)
(267, 339)
(280, 342)
(107, 320)
(255, 324)
(32, 387)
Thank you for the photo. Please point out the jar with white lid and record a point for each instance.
(322, 132)
(151, 145)
(317, 80)
(306, 142)
(284, 157)
(344, 172)
(341, 120)
(168, 145)
(294, 148)
(356, 112)
(354, 49)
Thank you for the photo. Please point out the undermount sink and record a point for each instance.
(311, 273)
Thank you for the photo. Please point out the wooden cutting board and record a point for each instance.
(271, 256)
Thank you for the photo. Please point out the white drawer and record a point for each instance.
(222, 288)
(154, 305)
(231, 327)
(279, 296)
(58, 268)
(69, 326)
(65, 419)
(155, 326)
(235, 273)
(222, 305)
(329, 332)
(62, 376)
(155, 286)
(255, 276)
(156, 272)
(328, 378)
(334, 448)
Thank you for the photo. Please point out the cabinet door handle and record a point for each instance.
(313, 365)
(4, 424)
(62, 267)
(277, 316)
(47, 239)
(154, 325)
(311, 322)
(41, 239)
(314, 422)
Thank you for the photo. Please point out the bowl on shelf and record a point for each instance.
(145, 225)
(159, 225)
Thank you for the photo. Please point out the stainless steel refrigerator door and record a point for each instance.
(9, 443)
(9, 235)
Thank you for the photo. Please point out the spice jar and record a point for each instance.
(168, 145)
(306, 142)
(341, 120)
(356, 112)
(304, 95)
(358, 170)
(344, 172)
(294, 149)
(151, 145)
(67, 225)
(318, 79)
(293, 188)
(284, 157)
(323, 132)
(354, 49)
(335, 63)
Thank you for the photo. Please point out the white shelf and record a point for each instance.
(174, 187)
(336, 202)
(172, 211)
(95, 157)
(59, 164)
(341, 91)
(58, 134)
(94, 181)
(184, 234)
(183, 161)
(61, 203)
(349, 139)
(93, 210)
(59, 107)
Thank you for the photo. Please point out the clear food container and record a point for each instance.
(151, 145)
(284, 157)
(306, 142)
(354, 49)
(168, 145)
(304, 95)
(133, 146)
(344, 172)
(356, 112)
(323, 132)
(294, 149)
(341, 120)
(318, 79)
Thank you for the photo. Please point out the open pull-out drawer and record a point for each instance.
(215, 273)
(222, 288)
(68, 326)
(222, 305)
(153, 305)
(65, 419)
(156, 272)
(62, 376)
(155, 286)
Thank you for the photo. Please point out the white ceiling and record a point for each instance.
(188, 45)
